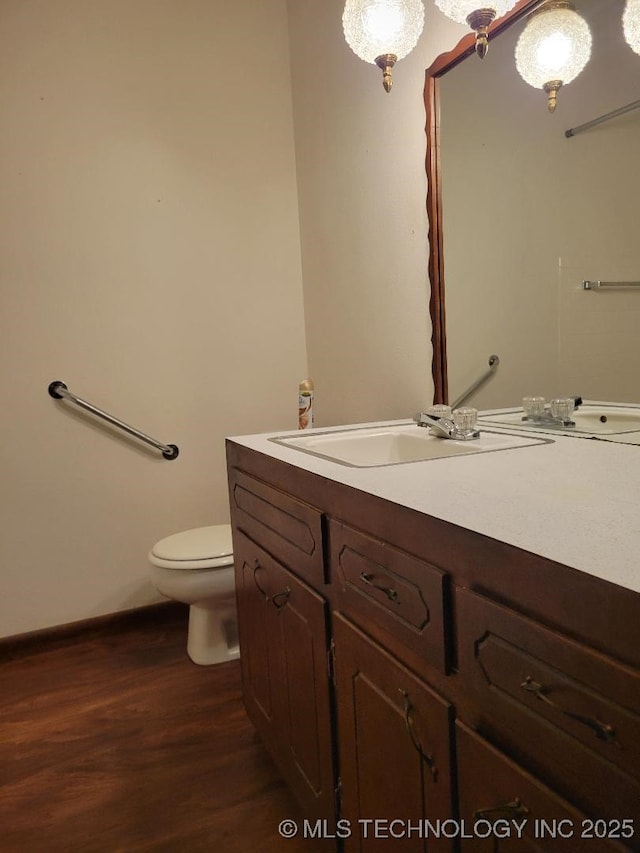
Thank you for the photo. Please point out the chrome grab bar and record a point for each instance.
(494, 361)
(597, 285)
(59, 391)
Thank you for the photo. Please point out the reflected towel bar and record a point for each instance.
(59, 391)
(494, 361)
(599, 285)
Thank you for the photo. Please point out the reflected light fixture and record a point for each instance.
(383, 31)
(631, 24)
(553, 48)
(478, 17)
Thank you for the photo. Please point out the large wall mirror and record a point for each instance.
(521, 214)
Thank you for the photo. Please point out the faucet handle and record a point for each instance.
(465, 419)
(562, 407)
(439, 410)
(533, 406)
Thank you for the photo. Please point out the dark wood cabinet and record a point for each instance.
(283, 638)
(390, 593)
(401, 669)
(569, 712)
(394, 748)
(505, 809)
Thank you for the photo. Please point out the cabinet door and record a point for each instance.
(394, 749)
(283, 651)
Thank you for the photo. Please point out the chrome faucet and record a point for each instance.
(445, 427)
(555, 414)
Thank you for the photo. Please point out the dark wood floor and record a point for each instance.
(116, 742)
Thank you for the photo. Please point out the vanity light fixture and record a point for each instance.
(478, 15)
(553, 48)
(631, 24)
(383, 31)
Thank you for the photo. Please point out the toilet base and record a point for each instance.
(213, 632)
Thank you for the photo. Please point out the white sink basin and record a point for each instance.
(366, 447)
(590, 418)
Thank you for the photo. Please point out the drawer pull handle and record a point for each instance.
(408, 718)
(512, 809)
(281, 598)
(604, 731)
(369, 579)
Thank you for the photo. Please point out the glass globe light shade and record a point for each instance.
(478, 14)
(553, 48)
(631, 24)
(383, 31)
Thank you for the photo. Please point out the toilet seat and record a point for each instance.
(198, 548)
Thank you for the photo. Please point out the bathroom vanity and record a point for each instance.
(453, 641)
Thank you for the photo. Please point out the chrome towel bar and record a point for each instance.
(599, 285)
(59, 391)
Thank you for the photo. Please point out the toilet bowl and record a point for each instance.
(196, 567)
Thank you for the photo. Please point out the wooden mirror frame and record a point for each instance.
(445, 62)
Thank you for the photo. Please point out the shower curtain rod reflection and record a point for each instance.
(572, 131)
(59, 391)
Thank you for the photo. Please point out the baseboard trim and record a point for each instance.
(46, 639)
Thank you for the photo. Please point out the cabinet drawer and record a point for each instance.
(503, 808)
(390, 593)
(290, 530)
(570, 709)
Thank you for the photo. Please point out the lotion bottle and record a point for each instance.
(305, 404)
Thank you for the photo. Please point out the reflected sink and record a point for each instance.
(368, 447)
(590, 419)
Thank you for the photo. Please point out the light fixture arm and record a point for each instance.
(552, 88)
(386, 62)
(480, 20)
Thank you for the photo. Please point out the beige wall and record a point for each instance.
(150, 258)
(362, 195)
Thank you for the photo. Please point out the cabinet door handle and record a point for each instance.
(256, 568)
(368, 578)
(512, 809)
(408, 718)
(281, 598)
(604, 731)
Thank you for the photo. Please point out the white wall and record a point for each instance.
(150, 258)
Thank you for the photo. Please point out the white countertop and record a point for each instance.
(575, 501)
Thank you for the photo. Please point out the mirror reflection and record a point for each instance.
(529, 213)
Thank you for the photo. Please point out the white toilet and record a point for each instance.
(196, 567)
